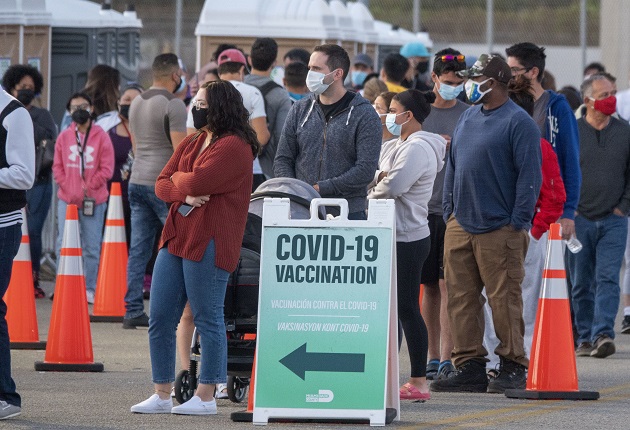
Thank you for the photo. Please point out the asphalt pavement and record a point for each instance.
(55, 400)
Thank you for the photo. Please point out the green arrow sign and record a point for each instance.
(300, 361)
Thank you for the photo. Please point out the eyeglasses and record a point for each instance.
(520, 69)
(199, 104)
(84, 106)
(458, 58)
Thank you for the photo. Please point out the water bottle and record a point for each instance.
(573, 244)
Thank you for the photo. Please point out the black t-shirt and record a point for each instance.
(335, 108)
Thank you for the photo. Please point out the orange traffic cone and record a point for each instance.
(247, 416)
(111, 285)
(20, 299)
(552, 369)
(69, 338)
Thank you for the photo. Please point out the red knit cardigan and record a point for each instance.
(223, 171)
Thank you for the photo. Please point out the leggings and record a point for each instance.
(410, 257)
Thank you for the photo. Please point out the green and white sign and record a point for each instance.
(324, 312)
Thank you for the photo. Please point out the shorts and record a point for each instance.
(433, 268)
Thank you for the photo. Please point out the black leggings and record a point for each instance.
(410, 257)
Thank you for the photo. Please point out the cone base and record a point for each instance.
(98, 318)
(29, 345)
(552, 395)
(242, 416)
(247, 417)
(42, 366)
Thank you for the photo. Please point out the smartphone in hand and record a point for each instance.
(185, 209)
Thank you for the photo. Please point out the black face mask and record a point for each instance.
(124, 111)
(422, 67)
(25, 96)
(200, 117)
(80, 116)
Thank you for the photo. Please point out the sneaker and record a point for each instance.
(196, 407)
(445, 369)
(604, 346)
(153, 405)
(511, 375)
(470, 377)
(432, 369)
(625, 325)
(8, 410)
(90, 297)
(221, 392)
(584, 349)
(141, 321)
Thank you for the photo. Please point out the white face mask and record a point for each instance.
(473, 91)
(315, 81)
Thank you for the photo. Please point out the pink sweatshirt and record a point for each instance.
(99, 165)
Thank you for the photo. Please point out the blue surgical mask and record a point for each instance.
(390, 122)
(358, 78)
(449, 92)
(472, 90)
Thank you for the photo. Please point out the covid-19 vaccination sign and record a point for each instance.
(324, 315)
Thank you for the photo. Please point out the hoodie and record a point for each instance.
(340, 155)
(562, 133)
(411, 167)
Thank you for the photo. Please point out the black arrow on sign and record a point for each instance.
(300, 361)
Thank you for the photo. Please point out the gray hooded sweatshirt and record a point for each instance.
(340, 156)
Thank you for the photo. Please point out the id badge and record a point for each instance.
(88, 206)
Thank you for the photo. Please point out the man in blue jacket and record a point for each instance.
(331, 139)
(557, 124)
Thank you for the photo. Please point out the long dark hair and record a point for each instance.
(227, 114)
(102, 85)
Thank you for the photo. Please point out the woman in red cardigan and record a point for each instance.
(207, 181)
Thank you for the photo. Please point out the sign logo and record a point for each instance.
(324, 396)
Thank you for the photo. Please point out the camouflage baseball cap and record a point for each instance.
(491, 66)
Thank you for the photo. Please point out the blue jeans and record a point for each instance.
(148, 215)
(91, 231)
(175, 281)
(10, 238)
(38, 201)
(595, 275)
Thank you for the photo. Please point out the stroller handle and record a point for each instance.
(318, 202)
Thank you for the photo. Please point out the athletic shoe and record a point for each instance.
(445, 369)
(625, 325)
(90, 297)
(196, 407)
(432, 369)
(584, 349)
(221, 392)
(604, 346)
(8, 410)
(141, 321)
(511, 375)
(470, 377)
(153, 405)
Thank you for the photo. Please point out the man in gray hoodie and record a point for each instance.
(331, 139)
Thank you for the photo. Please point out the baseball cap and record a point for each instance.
(491, 66)
(232, 56)
(364, 59)
(414, 49)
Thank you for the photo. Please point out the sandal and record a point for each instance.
(410, 392)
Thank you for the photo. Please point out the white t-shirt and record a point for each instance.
(254, 103)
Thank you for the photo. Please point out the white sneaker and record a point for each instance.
(221, 392)
(196, 407)
(90, 297)
(153, 405)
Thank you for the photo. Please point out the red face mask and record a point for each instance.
(607, 106)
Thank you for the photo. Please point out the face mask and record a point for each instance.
(358, 78)
(607, 106)
(422, 67)
(80, 116)
(449, 92)
(181, 85)
(200, 117)
(392, 127)
(297, 96)
(315, 81)
(124, 111)
(25, 96)
(472, 90)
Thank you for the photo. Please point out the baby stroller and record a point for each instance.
(241, 297)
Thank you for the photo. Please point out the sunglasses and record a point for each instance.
(458, 58)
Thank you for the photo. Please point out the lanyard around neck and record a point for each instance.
(81, 147)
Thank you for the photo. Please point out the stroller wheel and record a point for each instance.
(237, 388)
(184, 387)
